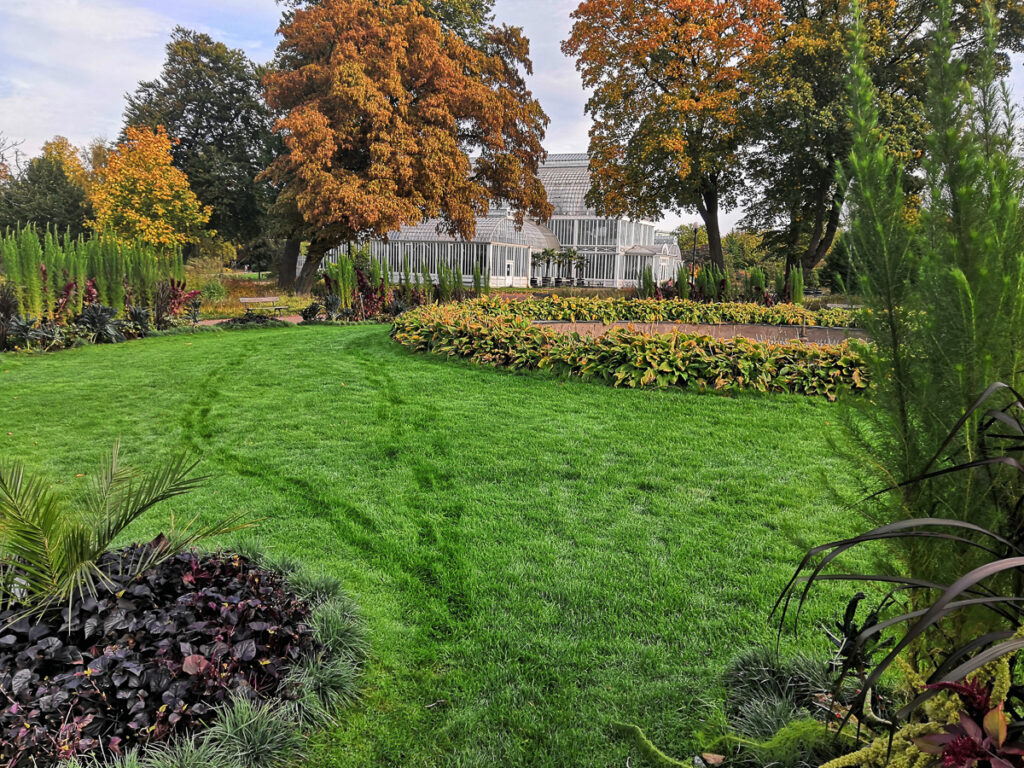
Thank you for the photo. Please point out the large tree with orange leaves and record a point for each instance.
(672, 82)
(384, 109)
(143, 197)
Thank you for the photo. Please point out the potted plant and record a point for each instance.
(577, 261)
(548, 255)
(536, 262)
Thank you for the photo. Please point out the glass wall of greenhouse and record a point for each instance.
(614, 251)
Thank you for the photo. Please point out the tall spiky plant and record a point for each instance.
(944, 286)
(31, 258)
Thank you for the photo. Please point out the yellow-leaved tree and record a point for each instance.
(142, 197)
(61, 151)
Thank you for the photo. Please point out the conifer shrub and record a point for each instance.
(796, 286)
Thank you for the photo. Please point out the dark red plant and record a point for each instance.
(64, 299)
(972, 743)
(373, 299)
(147, 659)
(973, 694)
(91, 295)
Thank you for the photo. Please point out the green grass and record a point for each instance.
(535, 558)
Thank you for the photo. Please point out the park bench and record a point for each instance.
(263, 302)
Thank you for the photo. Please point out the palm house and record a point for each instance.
(610, 252)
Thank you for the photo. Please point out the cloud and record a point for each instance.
(68, 63)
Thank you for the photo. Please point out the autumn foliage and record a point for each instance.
(142, 197)
(383, 108)
(66, 155)
(671, 81)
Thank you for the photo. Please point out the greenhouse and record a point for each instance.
(610, 252)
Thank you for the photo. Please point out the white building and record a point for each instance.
(614, 251)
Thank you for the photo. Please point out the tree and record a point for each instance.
(48, 192)
(210, 99)
(383, 108)
(802, 136)
(68, 156)
(8, 155)
(744, 249)
(143, 197)
(672, 81)
(690, 236)
(469, 19)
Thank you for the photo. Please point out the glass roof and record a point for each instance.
(489, 229)
(567, 181)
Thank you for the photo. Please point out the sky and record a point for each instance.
(66, 65)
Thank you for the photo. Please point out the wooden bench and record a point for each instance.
(263, 302)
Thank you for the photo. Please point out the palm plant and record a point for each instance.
(50, 549)
(536, 262)
(579, 262)
(548, 256)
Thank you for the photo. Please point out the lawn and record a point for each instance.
(535, 558)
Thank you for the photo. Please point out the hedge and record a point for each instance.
(610, 310)
(624, 357)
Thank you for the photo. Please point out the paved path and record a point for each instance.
(289, 318)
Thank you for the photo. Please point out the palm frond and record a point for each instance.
(49, 552)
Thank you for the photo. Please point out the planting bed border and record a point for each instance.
(497, 334)
(776, 334)
(609, 311)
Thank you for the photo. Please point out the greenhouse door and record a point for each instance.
(509, 268)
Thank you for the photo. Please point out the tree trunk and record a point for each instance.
(287, 265)
(827, 210)
(709, 213)
(824, 234)
(314, 258)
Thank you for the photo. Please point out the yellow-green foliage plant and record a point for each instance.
(626, 358)
(941, 731)
(611, 310)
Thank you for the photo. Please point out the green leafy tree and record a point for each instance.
(690, 236)
(801, 135)
(209, 98)
(43, 195)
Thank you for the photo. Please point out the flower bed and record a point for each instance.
(158, 650)
(503, 334)
(158, 657)
(611, 310)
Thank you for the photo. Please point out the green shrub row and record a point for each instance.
(610, 310)
(627, 358)
(49, 272)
